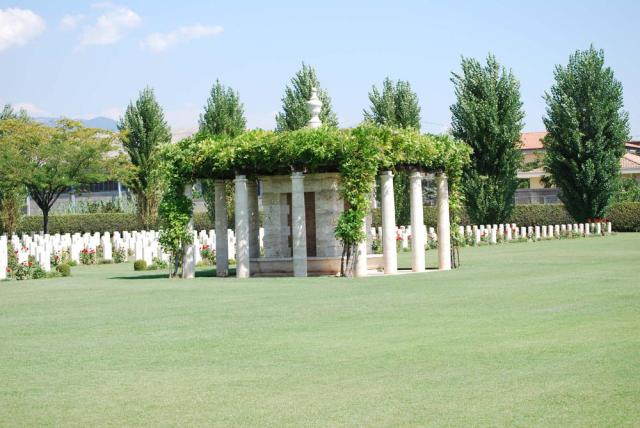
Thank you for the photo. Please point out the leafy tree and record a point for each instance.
(587, 130)
(488, 116)
(294, 113)
(396, 106)
(12, 192)
(629, 191)
(224, 113)
(143, 131)
(49, 161)
(223, 117)
(9, 113)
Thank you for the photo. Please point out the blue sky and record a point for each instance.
(84, 59)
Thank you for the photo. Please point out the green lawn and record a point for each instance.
(523, 334)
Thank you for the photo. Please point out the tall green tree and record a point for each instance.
(223, 117)
(8, 112)
(587, 130)
(224, 113)
(488, 116)
(143, 130)
(12, 191)
(49, 161)
(294, 113)
(396, 105)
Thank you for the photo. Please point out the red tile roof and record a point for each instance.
(630, 161)
(533, 141)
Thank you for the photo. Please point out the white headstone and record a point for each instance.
(4, 257)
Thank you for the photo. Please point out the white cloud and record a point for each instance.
(110, 26)
(71, 21)
(158, 42)
(18, 26)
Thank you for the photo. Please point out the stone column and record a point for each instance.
(417, 223)
(242, 228)
(444, 228)
(390, 251)
(222, 248)
(254, 220)
(188, 259)
(298, 225)
(361, 254)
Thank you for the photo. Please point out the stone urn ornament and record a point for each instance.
(314, 106)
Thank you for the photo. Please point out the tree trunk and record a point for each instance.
(45, 220)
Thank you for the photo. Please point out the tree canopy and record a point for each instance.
(143, 130)
(294, 113)
(50, 161)
(224, 113)
(12, 190)
(396, 105)
(488, 116)
(586, 132)
(223, 117)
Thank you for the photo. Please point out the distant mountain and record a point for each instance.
(96, 122)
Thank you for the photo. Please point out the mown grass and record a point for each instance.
(522, 334)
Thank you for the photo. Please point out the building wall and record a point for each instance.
(328, 207)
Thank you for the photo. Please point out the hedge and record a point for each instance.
(102, 222)
(625, 217)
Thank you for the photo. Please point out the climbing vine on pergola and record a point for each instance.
(358, 154)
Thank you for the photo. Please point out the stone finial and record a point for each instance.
(314, 106)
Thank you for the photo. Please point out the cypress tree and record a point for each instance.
(396, 105)
(294, 113)
(223, 117)
(587, 130)
(488, 116)
(143, 130)
(224, 113)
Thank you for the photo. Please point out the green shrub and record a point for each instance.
(119, 255)
(64, 269)
(81, 223)
(97, 222)
(625, 216)
(88, 256)
(158, 264)
(540, 214)
(38, 272)
(139, 265)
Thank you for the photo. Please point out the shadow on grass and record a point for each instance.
(204, 273)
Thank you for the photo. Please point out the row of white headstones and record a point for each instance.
(492, 233)
(145, 245)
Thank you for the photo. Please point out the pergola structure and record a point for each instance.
(300, 215)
